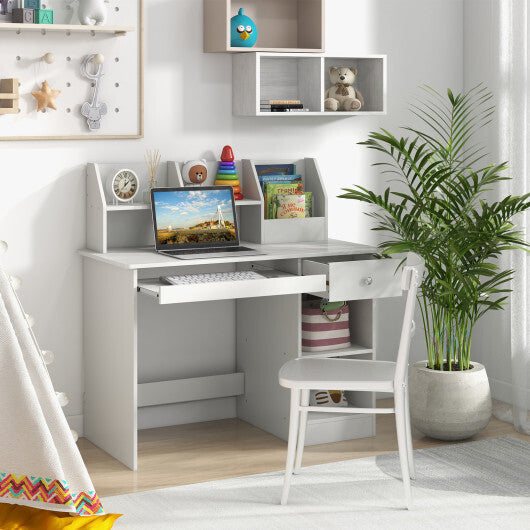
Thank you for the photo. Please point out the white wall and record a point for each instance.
(188, 114)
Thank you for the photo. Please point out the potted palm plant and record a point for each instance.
(437, 206)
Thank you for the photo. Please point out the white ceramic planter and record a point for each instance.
(449, 405)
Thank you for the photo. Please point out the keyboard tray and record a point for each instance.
(275, 283)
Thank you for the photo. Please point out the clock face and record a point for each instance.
(125, 185)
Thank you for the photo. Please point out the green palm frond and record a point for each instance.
(439, 210)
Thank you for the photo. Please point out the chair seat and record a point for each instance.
(338, 374)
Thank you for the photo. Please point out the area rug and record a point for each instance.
(484, 484)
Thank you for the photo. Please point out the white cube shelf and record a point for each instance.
(305, 77)
(283, 25)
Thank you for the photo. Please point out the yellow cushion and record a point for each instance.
(14, 517)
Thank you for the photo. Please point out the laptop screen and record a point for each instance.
(194, 217)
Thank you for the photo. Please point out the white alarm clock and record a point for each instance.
(124, 185)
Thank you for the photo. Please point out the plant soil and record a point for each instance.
(455, 367)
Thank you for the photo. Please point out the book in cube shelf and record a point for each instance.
(281, 105)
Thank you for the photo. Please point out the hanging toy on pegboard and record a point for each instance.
(93, 111)
(227, 173)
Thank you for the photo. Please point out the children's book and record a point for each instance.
(275, 169)
(308, 204)
(288, 206)
(278, 179)
(295, 188)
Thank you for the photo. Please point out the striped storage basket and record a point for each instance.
(324, 330)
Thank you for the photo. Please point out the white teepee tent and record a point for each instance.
(40, 465)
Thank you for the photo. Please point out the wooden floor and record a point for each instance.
(200, 452)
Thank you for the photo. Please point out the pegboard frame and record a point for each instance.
(140, 134)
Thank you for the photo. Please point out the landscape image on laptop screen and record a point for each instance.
(194, 216)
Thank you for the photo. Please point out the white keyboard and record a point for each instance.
(187, 279)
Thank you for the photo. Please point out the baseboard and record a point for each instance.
(76, 423)
(502, 391)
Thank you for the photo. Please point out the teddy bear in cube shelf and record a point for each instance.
(342, 95)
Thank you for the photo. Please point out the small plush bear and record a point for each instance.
(342, 96)
(194, 172)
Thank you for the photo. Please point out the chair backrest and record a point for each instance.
(410, 281)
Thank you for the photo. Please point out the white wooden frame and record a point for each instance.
(53, 40)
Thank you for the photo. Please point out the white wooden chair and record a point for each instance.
(304, 374)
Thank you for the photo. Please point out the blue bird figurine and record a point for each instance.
(243, 31)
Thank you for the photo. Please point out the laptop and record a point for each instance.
(196, 223)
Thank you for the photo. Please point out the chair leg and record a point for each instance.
(301, 432)
(291, 444)
(408, 431)
(399, 398)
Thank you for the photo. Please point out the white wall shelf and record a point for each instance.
(304, 77)
(67, 28)
(283, 25)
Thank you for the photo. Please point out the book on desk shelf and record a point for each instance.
(278, 179)
(292, 206)
(292, 188)
(275, 169)
(288, 207)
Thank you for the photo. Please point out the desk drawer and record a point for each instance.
(356, 280)
(275, 283)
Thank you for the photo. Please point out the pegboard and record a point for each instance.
(22, 54)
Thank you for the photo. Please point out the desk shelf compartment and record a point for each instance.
(283, 25)
(256, 229)
(118, 225)
(275, 283)
(249, 187)
(304, 77)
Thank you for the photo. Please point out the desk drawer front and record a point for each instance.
(356, 280)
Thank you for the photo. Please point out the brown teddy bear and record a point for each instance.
(342, 96)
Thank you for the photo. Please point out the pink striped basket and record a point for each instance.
(325, 330)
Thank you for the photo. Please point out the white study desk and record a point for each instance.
(223, 341)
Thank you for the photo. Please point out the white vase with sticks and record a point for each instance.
(152, 159)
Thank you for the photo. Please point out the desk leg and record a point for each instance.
(110, 360)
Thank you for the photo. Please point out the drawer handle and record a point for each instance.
(368, 281)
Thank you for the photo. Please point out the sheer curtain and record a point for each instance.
(513, 135)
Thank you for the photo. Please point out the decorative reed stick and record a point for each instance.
(152, 159)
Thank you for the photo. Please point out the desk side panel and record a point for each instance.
(268, 335)
(110, 359)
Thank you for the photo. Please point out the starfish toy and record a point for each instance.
(46, 97)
